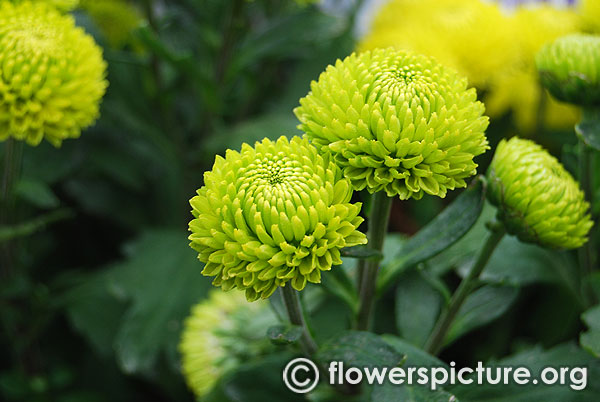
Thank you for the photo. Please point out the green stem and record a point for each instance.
(586, 253)
(438, 335)
(12, 169)
(296, 316)
(368, 270)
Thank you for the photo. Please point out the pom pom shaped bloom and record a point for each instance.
(570, 68)
(273, 214)
(221, 332)
(396, 122)
(537, 199)
(52, 75)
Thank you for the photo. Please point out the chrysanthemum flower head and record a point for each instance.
(396, 122)
(537, 199)
(52, 76)
(271, 214)
(222, 332)
(570, 68)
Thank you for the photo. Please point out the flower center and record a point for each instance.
(397, 80)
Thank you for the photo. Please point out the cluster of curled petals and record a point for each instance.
(396, 122)
(276, 213)
(219, 333)
(492, 45)
(570, 68)
(537, 199)
(52, 75)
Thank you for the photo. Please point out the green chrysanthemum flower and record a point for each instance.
(537, 199)
(569, 68)
(222, 332)
(396, 121)
(52, 75)
(273, 214)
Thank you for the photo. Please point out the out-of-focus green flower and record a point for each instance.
(61, 5)
(570, 68)
(537, 199)
(222, 332)
(52, 75)
(396, 122)
(493, 47)
(116, 19)
(273, 214)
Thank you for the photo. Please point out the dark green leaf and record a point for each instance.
(446, 229)
(37, 193)
(413, 356)
(417, 307)
(160, 280)
(338, 283)
(98, 325)
(362, 252)
(590, 340)
(360, 349)
(255, 382)
(482, 307)
(535, 360)
(284, 335)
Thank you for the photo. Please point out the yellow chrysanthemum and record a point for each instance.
(221, 332)
(273, 215)
(590, 12)
(537, 199)
(61, 5)
(396, 122)
(494, 48)
(52, 76)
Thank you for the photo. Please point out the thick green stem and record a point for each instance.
(296, 316)
(436, 340)
(588, 132)
(11, 170)
(378, 223)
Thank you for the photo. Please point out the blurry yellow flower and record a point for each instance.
(61, 5)
(590, 12)
(465, 34)
(115, 18)
(52, 76)
(493, 47)
(220, 333)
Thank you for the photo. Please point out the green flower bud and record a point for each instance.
(222, 332)
(569, 68)
(537, 199)
(396, 122)
(52, 74)
(273, 214)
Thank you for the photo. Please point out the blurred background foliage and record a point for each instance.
(94, 310)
